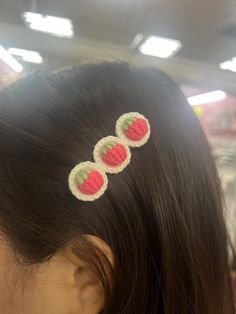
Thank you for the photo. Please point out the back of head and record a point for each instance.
(162, 216)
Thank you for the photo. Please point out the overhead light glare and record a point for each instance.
(207, 98)
(10, 61)
(57, 26)
(26, 55)
(229, 65)
(160, 47)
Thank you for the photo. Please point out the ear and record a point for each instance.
(65, 284)
(90, 295)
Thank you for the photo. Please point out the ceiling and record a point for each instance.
(106, 28)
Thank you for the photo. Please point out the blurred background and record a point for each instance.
(192, 41)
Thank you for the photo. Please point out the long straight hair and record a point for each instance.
(162, 216)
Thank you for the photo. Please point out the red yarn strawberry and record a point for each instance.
(89, 181)
(113, 153)
(135, 128)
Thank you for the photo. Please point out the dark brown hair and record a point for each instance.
(162, 216)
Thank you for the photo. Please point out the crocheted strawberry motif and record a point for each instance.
(89, 181)
(134, 128)
(113, 153)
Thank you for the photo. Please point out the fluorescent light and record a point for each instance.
(26, 55)
(160, 47)
(207, 98)
(49, 24)
(9, 60)
(229, 65)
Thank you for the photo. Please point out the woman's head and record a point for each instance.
(155, 242)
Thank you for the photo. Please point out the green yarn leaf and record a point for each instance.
(80, 179)
(126, 123)
(104, 150)
(82, 175)
(130, 120)
(107, 146)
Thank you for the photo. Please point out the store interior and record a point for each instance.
(192, 41)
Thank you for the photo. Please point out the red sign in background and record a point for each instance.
(219, 118)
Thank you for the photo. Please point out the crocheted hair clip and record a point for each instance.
(88, 180)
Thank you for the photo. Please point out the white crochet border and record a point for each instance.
(73, 187)
(98, 160)
(121, 135)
